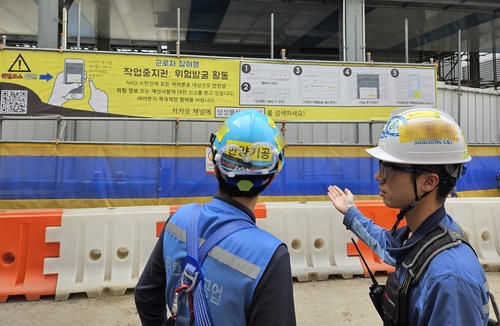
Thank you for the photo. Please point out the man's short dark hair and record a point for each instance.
(446, 181)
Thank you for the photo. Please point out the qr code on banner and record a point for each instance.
(14, 102)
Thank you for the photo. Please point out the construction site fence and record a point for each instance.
(102, 251)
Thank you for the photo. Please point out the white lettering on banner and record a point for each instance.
(224, 112)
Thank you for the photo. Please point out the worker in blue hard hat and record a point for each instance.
(212, 265)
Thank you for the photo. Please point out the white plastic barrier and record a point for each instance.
(316, 239)
(480, 219)
(102, 250)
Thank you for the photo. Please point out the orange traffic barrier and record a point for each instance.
(382, 216)
(23, 250)
(159, 228)
(160, 225)
(174, 208)
(259, 211)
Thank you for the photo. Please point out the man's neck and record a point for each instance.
(248, 202)
(421, 212)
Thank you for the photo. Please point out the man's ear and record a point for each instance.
(431, 181)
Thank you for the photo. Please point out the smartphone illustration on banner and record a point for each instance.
(74, 72)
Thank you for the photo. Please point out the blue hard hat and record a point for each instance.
(248, 143)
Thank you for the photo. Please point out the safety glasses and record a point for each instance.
(385, 167)
(255, 159)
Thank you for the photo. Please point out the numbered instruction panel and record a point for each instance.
(315, 85)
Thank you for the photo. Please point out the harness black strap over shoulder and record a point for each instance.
(395, 300)
(434, 242)
(430, 245)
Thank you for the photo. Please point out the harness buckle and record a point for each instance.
(186, 277)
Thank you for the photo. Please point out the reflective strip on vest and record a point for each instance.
(220, 254)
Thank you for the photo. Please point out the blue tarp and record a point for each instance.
(82, 177)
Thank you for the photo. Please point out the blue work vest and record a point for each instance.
(232, 269)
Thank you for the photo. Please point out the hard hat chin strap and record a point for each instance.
(417, 199)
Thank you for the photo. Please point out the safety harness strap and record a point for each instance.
(394, 299)
(437, 240)
(192, 273)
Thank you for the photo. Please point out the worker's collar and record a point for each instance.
(402, 236)
(236, 204)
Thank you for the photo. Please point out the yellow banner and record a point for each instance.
(82, 83)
